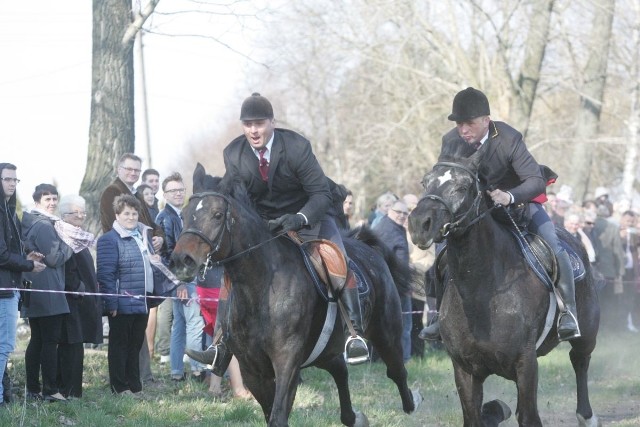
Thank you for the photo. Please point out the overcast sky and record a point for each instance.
(45, 83)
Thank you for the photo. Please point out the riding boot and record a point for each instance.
(431, 332)
(568, 319)
(355, 347)
(218, 354)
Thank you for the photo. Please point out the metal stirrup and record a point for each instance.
(359, 359)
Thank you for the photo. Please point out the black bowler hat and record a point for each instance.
(256, 107)
(469, 104)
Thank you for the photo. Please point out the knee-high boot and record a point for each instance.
(218, 354)
(355, 347)
(568, 319)
(431, 332)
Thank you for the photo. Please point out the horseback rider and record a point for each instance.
(512, 177)
(291, 192)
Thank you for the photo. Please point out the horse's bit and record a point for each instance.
(214, 245)
(457, 220)
(229, 221)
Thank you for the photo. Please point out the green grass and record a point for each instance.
(614, 387)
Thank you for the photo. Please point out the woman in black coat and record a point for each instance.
(84, 322)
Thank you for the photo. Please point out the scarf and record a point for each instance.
(75, 237)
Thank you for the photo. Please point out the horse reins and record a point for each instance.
(457, 221)
(215, 247)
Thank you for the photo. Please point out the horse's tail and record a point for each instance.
(405, 277)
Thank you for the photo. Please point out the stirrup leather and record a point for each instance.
(359, 359)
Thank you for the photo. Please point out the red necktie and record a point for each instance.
(477, 145)
(263, 166)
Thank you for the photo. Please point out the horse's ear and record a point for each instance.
(198, 178)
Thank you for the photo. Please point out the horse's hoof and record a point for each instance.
(361, 420)
(591, 422)
(495, 412)
(417, 399)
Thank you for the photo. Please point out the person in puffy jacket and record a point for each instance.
(124, 258)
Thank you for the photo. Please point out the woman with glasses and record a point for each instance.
(84, 322)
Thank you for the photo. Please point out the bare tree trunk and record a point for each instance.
(591, 95)
(524, 89)
(631, 155)
(112, 127)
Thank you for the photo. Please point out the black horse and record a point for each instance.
(276, 313)
(494, 306)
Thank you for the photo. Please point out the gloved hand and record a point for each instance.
(287, 222)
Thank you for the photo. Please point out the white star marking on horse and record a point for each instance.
(444, 178)
(199, 206)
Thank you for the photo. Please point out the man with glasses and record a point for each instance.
(186, 330)
(390, 229)
(13, 262)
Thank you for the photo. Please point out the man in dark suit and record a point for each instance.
(512, 177)
(292, 193)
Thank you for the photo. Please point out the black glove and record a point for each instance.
(287, 222)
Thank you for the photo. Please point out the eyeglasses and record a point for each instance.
(401, 212)
(131, 169)
(7, 179)
(176, 191)
(80, 214)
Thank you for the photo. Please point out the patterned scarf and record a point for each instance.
(75, 237)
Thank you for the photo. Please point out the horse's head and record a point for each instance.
(207, 227)
(451, 199)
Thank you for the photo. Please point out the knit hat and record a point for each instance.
(469, 104)
(256, 107)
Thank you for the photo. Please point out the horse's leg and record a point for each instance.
(338, 370)
(287, 372)
(470, 393)
(263, 389)
(388, 345)
(580, 361)
(527, 384)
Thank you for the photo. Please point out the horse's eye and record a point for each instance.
(218, 216)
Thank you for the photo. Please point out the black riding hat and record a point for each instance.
(469, 104)
(256, 107)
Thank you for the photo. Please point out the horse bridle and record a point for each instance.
(458, 220)
(217, 242)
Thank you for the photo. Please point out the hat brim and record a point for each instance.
(457, 118)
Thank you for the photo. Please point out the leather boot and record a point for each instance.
(568, 328)
(218, 356)
(355, 348)
(432, 331)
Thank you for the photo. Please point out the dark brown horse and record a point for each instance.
(276, 313)
(494, 306)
